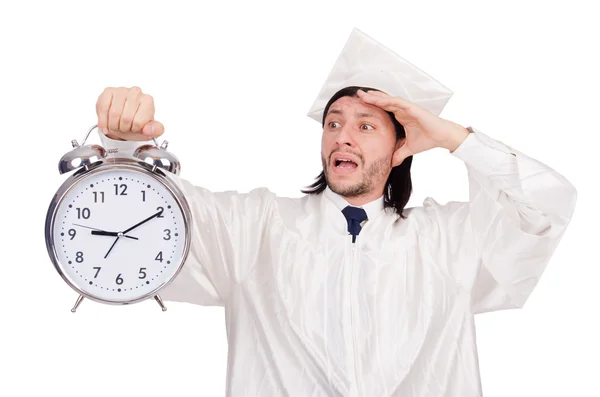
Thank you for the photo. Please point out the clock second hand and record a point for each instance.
(111, 247)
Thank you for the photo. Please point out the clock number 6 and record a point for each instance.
(119, 280)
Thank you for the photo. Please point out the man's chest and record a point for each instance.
(356, 309)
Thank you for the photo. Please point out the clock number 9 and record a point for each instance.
(72, 233)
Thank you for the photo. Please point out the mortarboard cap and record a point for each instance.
(367, 63)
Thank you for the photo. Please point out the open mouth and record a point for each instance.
(345, 163)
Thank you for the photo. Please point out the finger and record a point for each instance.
(377, 100)
(132, 103)
(154, 129)
(404, 115)
(371, 93)
(382, 99)
(145, 113)
(102, 106)
(377, 93)
(384, 102)
(116, 110)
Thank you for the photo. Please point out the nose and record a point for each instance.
(344, 136)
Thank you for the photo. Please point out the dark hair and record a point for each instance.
(398, 187)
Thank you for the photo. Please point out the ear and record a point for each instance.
(400, 152)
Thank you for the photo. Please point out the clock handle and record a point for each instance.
(75, 144)
(160, 302)
(77, 303)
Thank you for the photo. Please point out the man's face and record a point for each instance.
(357, 147)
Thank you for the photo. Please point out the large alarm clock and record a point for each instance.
(118, 229)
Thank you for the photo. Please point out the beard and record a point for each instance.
(372, 175)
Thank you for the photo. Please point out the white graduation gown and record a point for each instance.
(311, 314)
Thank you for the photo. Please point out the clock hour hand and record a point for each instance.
(98, 232)
(113, 234)
(103, 232)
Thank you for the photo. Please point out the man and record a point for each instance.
(344, 292)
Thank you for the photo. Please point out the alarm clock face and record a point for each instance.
(118, 234)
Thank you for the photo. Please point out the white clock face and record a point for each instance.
(119, 234)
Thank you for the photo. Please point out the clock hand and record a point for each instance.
(101, 232)
(111, 247)
(142, 222)
(98, 232)
(88, 227)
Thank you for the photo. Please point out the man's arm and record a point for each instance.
(499, 243)
(227, 229)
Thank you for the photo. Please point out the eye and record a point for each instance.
(367, 127)
(333, 124)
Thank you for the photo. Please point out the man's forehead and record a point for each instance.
(350, 105)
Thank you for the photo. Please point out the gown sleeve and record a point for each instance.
(499, 243)
(227, 231)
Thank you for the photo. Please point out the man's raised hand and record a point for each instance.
(127, 114)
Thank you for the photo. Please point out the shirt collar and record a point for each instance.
(372, 208)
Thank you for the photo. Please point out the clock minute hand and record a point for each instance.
(142, 222)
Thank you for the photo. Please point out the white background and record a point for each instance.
(232, 82)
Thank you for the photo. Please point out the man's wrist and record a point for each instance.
(458, 137)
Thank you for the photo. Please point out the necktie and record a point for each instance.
(354, 216)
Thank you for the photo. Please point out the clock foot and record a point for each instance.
(160, 302)
(77, 303)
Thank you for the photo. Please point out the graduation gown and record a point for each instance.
(309, 313)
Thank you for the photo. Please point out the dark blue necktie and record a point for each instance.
(354, 216)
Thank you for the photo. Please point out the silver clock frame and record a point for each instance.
(105, 165)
